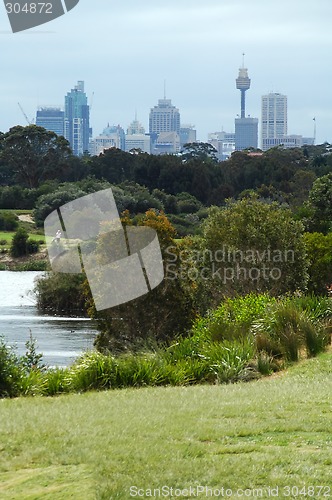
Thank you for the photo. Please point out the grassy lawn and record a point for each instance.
(8, 236)
(275, 432)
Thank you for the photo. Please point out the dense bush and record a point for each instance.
(319, 250)
(61, 293)
(281, 328)
(8, 221)
(10, 371)
(23, 245)
(255, 246)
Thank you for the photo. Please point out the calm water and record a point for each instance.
(60, 339)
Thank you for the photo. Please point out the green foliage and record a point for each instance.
(31, 361)
(319, 251)
(55, 381)
(180, 364)
(320, 200)
(317, 307)
(267, 332)
(61, 293)
(51, 201)
(19, 243)
(8, 221)
(139, 320)
(287, 328)
(33, 154)
(23, 245)
(203, 151)
(255, 246)
(233, 318)
(10, 371)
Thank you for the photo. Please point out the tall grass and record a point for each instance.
(251, 342)
(287, 330)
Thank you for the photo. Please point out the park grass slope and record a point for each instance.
(275, 432)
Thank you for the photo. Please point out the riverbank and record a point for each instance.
(59, 338)
(34, 262)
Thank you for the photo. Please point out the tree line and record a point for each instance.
(30, 156)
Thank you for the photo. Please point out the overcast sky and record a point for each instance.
(125, 50)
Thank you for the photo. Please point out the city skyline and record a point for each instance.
(124, 52)
(246, 131)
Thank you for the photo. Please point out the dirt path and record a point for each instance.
(26, 218)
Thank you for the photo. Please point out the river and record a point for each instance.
(60, 339)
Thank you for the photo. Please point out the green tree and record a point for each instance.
(33, 154)
(319, 249)
(203, 151)
(51, 201)
(255, 246)
(158, 316)
(19, 243)
(23, 245)
(320, 200)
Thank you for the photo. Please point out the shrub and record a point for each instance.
(286, 329)
(10, 371)
(8, 221)
(266, 363)
(32, 246)
(61, 293)
(56, 381)
(19, 243)
(232, 320)
(23, 245)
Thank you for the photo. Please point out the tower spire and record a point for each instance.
(243, 84)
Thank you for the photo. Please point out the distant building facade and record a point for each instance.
(52, 119)
(166, 143)
(289, 142)
(136, 138)
(246, 133)
(164, 118)
(111, 137)
(77, 129)
(223, 142)
(187, 134)
(135, 127)
(274, 118)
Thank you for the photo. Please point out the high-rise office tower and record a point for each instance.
(164, 118)
(136, 138)
(51, 118)
(246, 128)
(77, 119)
(187, 134)
(274, 119)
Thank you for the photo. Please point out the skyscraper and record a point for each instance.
(246, 129)
(164, 118)
(77, 119)
(136, 138)
(51, 118)
(274, 118)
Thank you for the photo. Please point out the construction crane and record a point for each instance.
(30, 122)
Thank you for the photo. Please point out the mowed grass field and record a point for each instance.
(275, 432)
